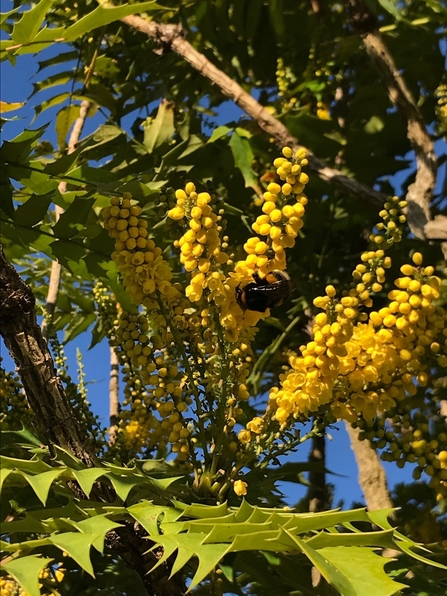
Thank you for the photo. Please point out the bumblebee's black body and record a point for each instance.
(265, 292)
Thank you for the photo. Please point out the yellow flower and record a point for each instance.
(240, 488)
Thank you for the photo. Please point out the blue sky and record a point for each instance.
(17, 87)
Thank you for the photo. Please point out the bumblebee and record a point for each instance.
(265, 292)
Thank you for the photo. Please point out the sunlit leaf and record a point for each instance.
(27, 27)
(77, 545)
(26, 571)
(9, 107)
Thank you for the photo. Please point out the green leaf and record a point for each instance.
(25, 570)
(102, 96)
(334, 539)
(32, 177)
(86, 478)
(392, 7)
(64, 119)
(23, 437)
(41, 483)
(61, 57)
(103, 16)
(218, 133)
(243, 158)
(161, 128)
(148, 515)
(123, 485)
(49, 103)
(79, 324)
(364, 570)
(77, 545)
(33, 466)
(73, 219)
(33, 210)
(18, 150)
(26, 29)
(4, 473)
(98, 525)
(5, 15)
(374, 124)
(59, 78)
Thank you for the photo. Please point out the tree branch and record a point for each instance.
(113, 395)
(55, 419)
(372, 476)
(420, 192)
(22, 336)
(171, 37)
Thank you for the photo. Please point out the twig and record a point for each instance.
(56, 268)
(113, 395)
(171, 37)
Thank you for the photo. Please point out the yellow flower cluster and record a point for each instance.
(361, 368)
(152, 385)
(283, 210)
(201, 252)
(140, 262)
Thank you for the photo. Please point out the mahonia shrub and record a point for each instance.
(186, 350)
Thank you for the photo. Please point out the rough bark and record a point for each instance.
(372, 477)
(56, 422)
(23, 338)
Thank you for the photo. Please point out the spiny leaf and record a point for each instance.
(86, 478)
(9, 107)
(4, 473)
(26, 29)
(33, 210)
(333, 539)
(77, 545)
(148, 515)
(98, 525)
(364, 568)
(199, 510)
(26, 572)
(41, 483)
(49, 103)
(103, 16)
(330, 572)
(33, 466)
(218, 133)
